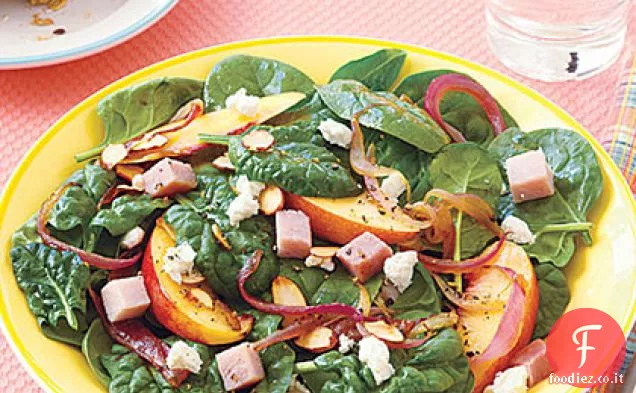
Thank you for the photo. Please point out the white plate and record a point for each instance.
(90, 26)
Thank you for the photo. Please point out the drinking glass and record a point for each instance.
(553, 40)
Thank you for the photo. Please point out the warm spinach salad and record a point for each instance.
(258, 231)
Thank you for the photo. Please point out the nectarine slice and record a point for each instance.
(192, 311)
(341, 220)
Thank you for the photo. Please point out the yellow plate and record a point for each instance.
(601, 276)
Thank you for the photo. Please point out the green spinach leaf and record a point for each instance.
(278, 362)
(313, 110)
(299, 162)
(27, 233)
(54, 283)
(308, 279)
(95, 344)
(578, 184)
(132, 111)
(126, 212)
(93, 179)
(377, 71)
(259, 76)
(554, 296)
(394, 117)
(468, 168)
(192, 221)
(458, 109)
(420, 299)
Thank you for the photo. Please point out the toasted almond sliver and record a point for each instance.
(155, 140)
(202, 296)
(193, 278)
(183, 112)
(223, 163)
(319, 340)
(113, 154)
(271, 200)
(259, 140)
(324, 252)
(218, 234)
(384, 331)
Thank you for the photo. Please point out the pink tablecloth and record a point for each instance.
(31, 100)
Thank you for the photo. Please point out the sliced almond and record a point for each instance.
(223, 163)
(384, 331)
(319, 340)
(365, 300)
(185, 110)
(271, 200)
(324, 252)
(218, 234)
(113, 155)
(259, 140)
(137, 182)
(149, 141)
(285, 292)
(195, 277)
(202, 297)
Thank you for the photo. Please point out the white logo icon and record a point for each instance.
(583, 344)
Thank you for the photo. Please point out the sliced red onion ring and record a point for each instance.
(96, 260)
(445, 265)
(133, 335)
(446, 83)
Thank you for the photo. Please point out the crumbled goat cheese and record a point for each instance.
(243, 103)
(251, 188)
(346, 343)
(517, 230)
(183, 357)
(323, 263)
(138, 181)
(375, 354)
(335, 133)
(399, 269)
(393, 185)
(512, 380)
(178, 261)
(242, 207)
(132, 238)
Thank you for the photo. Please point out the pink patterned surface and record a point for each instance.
(31, 100)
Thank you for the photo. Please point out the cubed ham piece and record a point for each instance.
(364, 256)
(293, 234)
(169, 177)
(533, 357)
(240, 367)
(529, 176)
(125, 298)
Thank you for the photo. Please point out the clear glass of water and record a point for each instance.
(554, 40)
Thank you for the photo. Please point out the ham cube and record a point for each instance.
(530, 176)
(240, 367)
(293, 234)
(533, 357)
(169, 177)
(125, 298)
(364, 256)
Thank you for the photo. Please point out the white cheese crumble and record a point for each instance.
(517, 230)
(183, 357)
(296, 386)
(335, 133)
(375, 354)
(323, 263)
(251, 188)
(132, 238)
(138, 181)
(512, 380)
(399, 269)
(179, 261)
(346, 343)
(393, 185)
(242, 207)
(243, 103)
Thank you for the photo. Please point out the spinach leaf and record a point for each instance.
(458, 109)
(64, 333)
(192, 222)
(278, 362)
(126, 212)
(27, 233)
(93, 179)
(394, 117)
(264, 324)
(308, 279)
(410, 161)
(420, 299)
(95, 344)
(132, 111)
(468, 168)
(54, 283)
(313, 110)
(554, 296)
(298, 162)
(578, 184)
(377, 71)
(259, 76)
